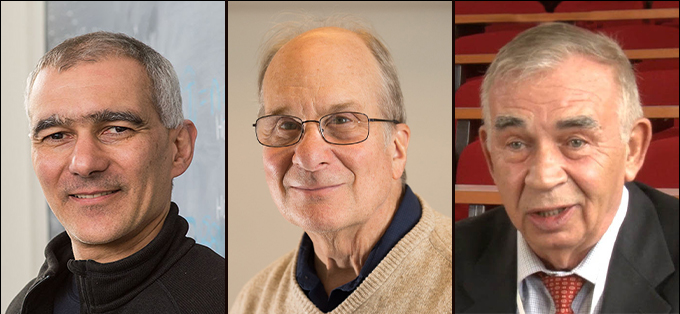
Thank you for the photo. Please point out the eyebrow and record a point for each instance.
(333, 108)
(579, 122)
(98, 117)
(504, 122)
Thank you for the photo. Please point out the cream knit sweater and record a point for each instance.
(414, 277)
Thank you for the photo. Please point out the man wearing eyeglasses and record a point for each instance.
(333, 129)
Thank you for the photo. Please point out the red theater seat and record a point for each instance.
(660, 169)
(658, 87)
(468, 93)
(471, 169)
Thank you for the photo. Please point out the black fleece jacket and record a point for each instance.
(172, 274)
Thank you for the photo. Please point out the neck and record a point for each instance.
(339, 256)
(120, 248)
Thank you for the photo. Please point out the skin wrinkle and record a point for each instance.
(306, 78)
(543, 168)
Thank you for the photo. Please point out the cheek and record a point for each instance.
(143, 159)
(509, 177)
(48, 167)
(368, 166)
(276, 161)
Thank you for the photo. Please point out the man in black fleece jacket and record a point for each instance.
(172, 274)
(108, 137)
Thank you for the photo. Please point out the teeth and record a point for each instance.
(92, 195)
(552, 212)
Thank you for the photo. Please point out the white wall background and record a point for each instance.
(24, 210)
(419, 36)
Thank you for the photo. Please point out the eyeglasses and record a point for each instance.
(341, 128)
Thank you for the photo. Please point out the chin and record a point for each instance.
(314, 218)
(558, 241)
(94, 233)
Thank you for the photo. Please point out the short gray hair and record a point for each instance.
(165, 93)
(390, 96)
(544, 47)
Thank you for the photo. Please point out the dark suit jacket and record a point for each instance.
(643, 270)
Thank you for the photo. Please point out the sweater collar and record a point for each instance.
(105, 287)
(405, 218)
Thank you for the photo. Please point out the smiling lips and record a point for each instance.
(314, 188)
(85, 195)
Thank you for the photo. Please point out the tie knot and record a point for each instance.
(563, 290)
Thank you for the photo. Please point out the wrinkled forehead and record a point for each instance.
(321, 69)
(577, 86)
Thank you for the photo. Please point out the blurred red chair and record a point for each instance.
(471, 169)
(589, 6)
(660, 169)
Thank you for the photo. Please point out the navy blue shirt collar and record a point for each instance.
(405, 218)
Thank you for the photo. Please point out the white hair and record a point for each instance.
(543, 48)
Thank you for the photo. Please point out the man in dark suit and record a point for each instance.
(564, 138)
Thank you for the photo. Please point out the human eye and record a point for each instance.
(54, 137)
(576, 143)
(343, 119)
(117, 130)
(115, 133)
(339, 120)
(515, 145)
(287, 124)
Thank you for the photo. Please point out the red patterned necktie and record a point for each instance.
(563, 290)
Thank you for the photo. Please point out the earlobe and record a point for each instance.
(184, 145)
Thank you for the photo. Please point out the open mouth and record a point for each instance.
(552, 212)
(553, 219)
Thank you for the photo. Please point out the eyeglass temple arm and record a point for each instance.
(383, 120)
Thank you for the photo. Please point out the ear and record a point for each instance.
(636, 148)
(400, 138)
(484, 141)
(184, 147)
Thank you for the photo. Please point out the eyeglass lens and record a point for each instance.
(337, 128)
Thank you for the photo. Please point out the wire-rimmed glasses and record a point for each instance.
(340, 128)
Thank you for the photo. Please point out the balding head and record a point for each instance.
(322, 65)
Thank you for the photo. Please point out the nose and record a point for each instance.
(312, 152)
(87, 158)
(546, 169)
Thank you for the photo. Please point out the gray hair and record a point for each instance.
(391, 100)
(544, 47)
(165, 93)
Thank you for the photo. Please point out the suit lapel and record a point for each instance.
(494, 283)
(640, 261)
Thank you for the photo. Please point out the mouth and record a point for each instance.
(92, 196)
(551, 218)
(551, 213)
(315, 188)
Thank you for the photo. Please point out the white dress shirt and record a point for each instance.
(534, 296)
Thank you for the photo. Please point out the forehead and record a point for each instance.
(578, 86)
(320, 69)
(118, 83)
